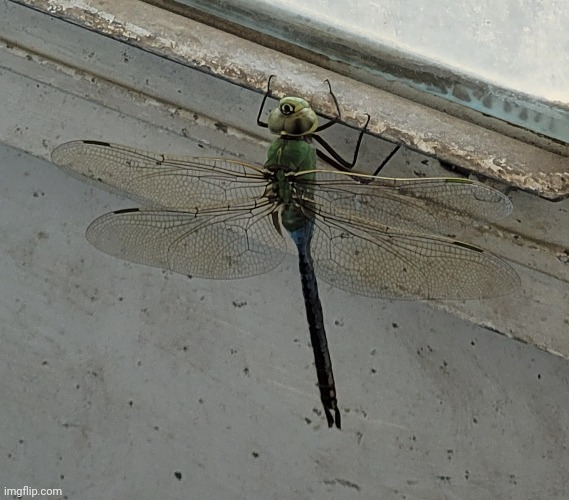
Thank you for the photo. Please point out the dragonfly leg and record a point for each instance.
(332, 157)
(387, 159)
(338, 116)
(261, 123)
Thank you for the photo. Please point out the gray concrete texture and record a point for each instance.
(117, 376)
(122, 381)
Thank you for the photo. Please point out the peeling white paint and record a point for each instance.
(429, 131)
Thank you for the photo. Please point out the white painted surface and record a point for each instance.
(517, 44)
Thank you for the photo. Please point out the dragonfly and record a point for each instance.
(226, 219)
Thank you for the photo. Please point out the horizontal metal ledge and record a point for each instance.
(423, 129)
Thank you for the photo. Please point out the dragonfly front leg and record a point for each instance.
(333, 158)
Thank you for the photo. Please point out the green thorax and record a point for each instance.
(295, 155)
(291, 155)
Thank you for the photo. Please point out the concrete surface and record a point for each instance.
(121, 381)
(116, 377)
(61, 82)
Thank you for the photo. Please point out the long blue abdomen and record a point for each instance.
(302, 238)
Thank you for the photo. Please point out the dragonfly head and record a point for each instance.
(293, 117)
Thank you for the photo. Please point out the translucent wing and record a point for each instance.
(373, 239)
(161, 181)
(221, 244)
(438, 205)
(374, 260)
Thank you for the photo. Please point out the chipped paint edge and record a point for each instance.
(247, 64)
